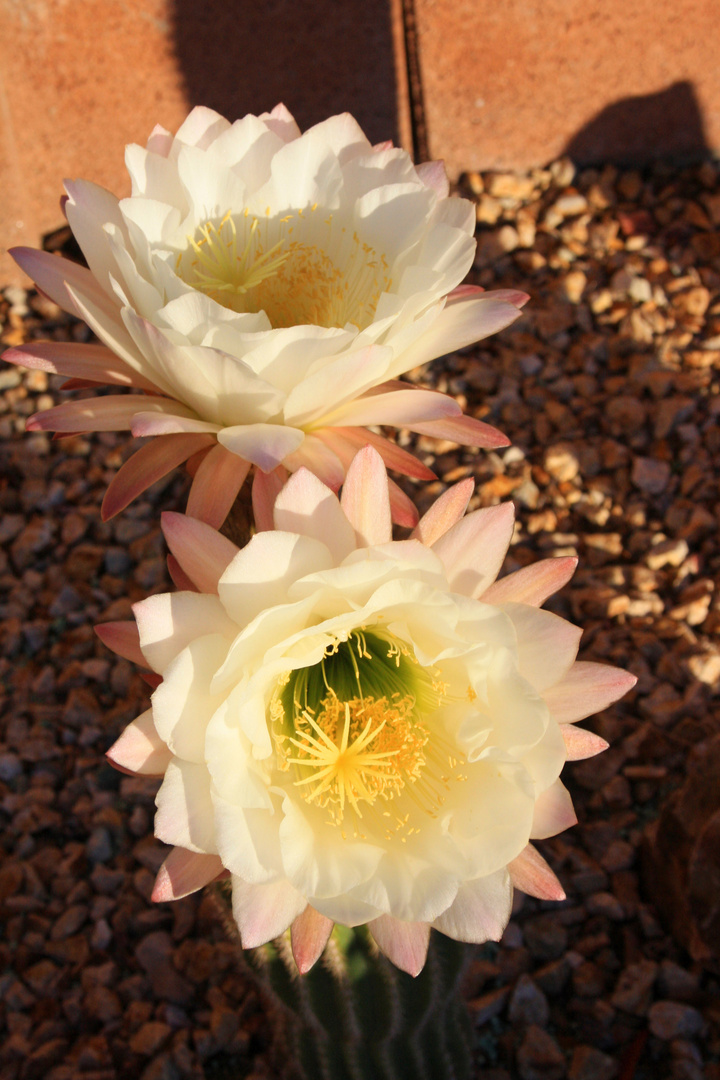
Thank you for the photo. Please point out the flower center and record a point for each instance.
(298, 269)
(353, 731)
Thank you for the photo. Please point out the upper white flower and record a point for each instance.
(360, 730)
(265, 289)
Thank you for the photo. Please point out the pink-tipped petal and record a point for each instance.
(434, 175)
(444, 513)
(92, 364)
(532, 584)
(111, 413)
(307, 506)
(404, 943)
(215, 486)
(123, 638)
(178, 576)
(587, 688)
(309, 935)
(147, 465)
(320, 458)
(52, 275)
(531, 874)
(474, 549)
(145, 424)
(346, 441)
(183, 873)
(263, 912)
(554, 812)
(465, 430)
(366, 499)
(140, 749)
(581, 744)
(265, 445)
(265, 490)
(403, 510)
(202, 552)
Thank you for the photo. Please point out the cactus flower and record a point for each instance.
(260, 292)
(356, 729)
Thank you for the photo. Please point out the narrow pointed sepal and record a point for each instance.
(309, 935)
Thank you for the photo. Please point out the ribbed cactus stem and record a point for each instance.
(355, 1016)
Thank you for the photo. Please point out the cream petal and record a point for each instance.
(89, 209)
(183, 704)
(334, 383)
(167, 622)
(105, 319)
(434, 175)
(467, 320)
(554, 812)
(445, 512)
(320, 863)
(547, 644)
(309, 935)
(263, 912)
(123, 638)
(140, 749)
(307, 506)
(201, 127)
(152, 175)
(582, 744)
(532, 584)
(481, 910)
(366, 500)
(531, 874)
(147, 465)
(474, 549)
(281, 121)
(203, 553)
(215, 486)
(260, 574)
(183, 873)
(585, 689)
(184, 815)
(404, 943)
(265, 445)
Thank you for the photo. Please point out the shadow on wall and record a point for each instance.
(638, 130)
(317, 58)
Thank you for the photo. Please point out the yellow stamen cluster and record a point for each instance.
(283, 266)
(357, 750)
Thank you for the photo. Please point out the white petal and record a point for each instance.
(263, 912)
(474, 549)
(265, 445)
(261, 573)
(481, 910)
(167, 622)
(458, 325)
(203, 553)
(547, 644)
(183, 704)
(554, 812)
(404, 943)
(307, 506)
(184, 815)
(140, 749)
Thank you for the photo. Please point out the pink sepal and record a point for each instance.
(215, 485)
(147, 465)
(580, 743)
(202, 553)
(184, 872)
(265, 490)
(366, 500)
(404, 943)
(444, 513)
(532, 584)
(178, 576)
(309, 935)
(531, 874)
(123, 638)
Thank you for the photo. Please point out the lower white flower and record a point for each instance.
(360, 730)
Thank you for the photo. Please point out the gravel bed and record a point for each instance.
(609, 389)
